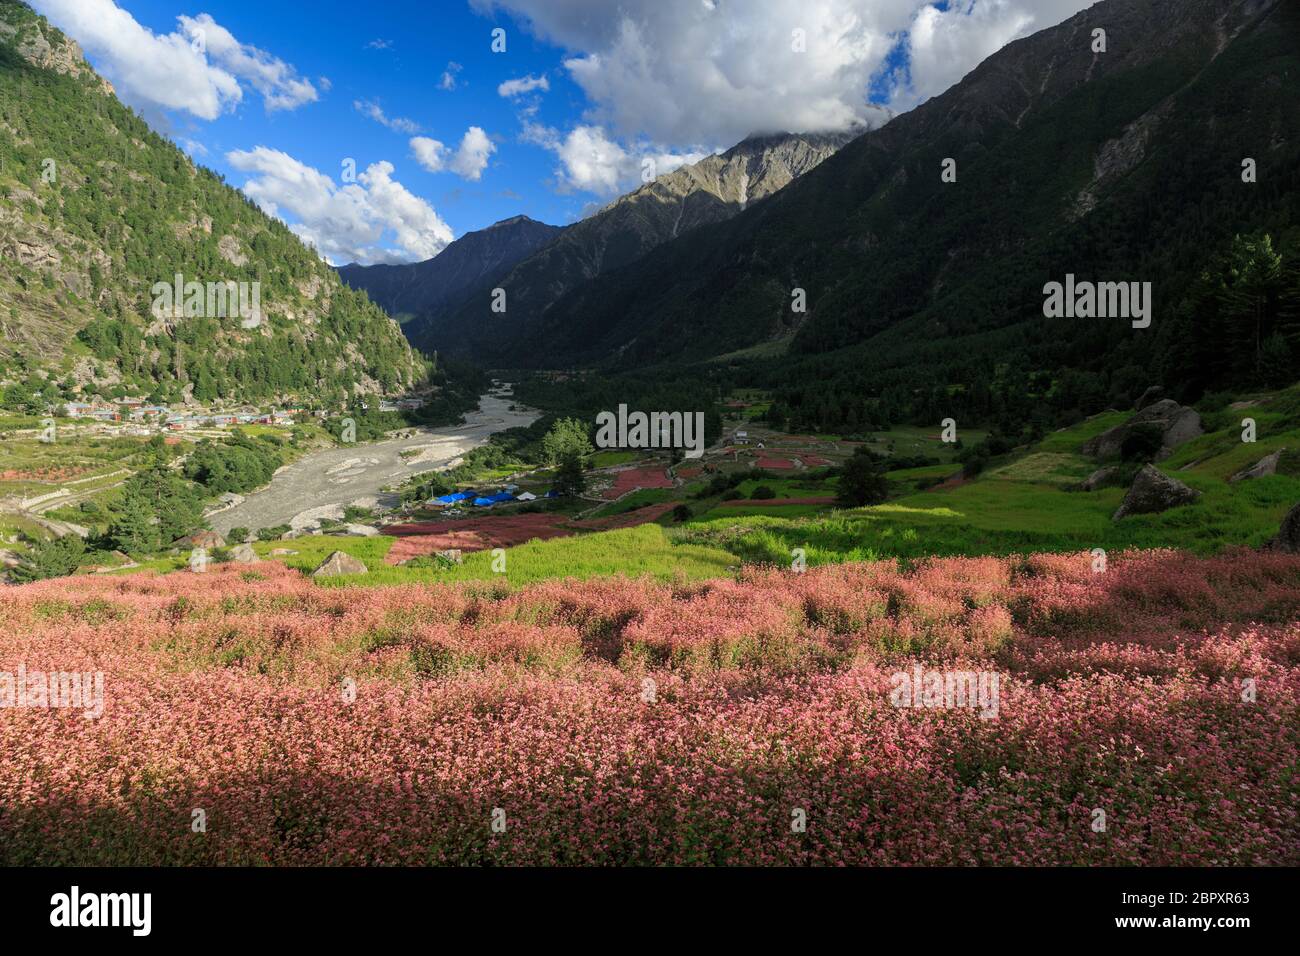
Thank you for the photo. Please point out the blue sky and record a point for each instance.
(402, 73)
(277, 99)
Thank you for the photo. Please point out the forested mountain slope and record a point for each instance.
(420, 289)
(925, 295)
(709, 191)
(95, 209)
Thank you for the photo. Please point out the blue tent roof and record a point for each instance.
(481, 502)
(502, 496)
(450, 499)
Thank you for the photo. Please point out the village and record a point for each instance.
(145, 418)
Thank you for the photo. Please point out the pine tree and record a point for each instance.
(862, 482)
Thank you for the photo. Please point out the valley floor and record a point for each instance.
(322, 483)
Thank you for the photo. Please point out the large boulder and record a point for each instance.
(202, 539)
(1153, 491)
(243, 554)
(1288, 536)
(1176, 424)
(1150, 396)
(1099, 478)
(453, 555)
(339, 563)
(1265, 466)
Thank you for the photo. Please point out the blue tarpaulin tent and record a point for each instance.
(451, 499)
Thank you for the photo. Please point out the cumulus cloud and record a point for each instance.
(373, 110)
(468, 160)
(942, 46)
(279, 83)
(375, 219)
(591, 161)
(171, 71)
(525, 84)
(704, 71)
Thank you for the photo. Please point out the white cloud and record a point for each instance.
(278, 82)
(945, 45)
(468, 161)
(525, 84)
(590, 161)
(375, 219)
(145, 68)
(171, 72)
(448, 81)
(399, 124)
(472, 156)
(697, 71)
(429, 153)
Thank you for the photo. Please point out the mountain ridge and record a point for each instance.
(710, 190)
(1055, 137)
(413, 289)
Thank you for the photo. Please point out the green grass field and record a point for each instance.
(607, 459)
(643, 550)
(637, 499)
(1025, 503)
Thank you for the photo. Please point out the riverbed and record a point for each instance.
(321, 484)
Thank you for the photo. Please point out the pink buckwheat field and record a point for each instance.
(625, 722)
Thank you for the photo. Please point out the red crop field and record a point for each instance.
(629, 479)
(471, 534)
(623, 721)
(480, 534)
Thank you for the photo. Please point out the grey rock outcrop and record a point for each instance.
(244, 554)
(1153, 491)
(339, 563)
(1098, 478)
(1178, 425)
(1288, 536)
(1149, 397)
(1265, 466)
